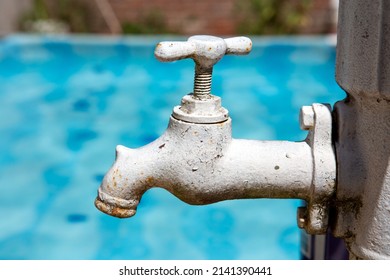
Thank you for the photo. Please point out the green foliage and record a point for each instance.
(271, 16)
(40, 10)
(152, 23)
(72, 12)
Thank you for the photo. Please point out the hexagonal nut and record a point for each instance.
(302, 217)
(195, 110)
(306, 117)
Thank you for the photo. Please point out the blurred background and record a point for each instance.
(222, 17)
(66, 101)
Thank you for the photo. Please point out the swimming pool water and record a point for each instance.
(66, 102)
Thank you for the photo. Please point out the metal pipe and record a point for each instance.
(362, 203)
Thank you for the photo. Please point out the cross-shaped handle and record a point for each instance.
(205, 51)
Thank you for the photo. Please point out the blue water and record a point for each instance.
(66, 102)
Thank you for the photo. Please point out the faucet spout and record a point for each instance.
(201, 164)
(124, 184)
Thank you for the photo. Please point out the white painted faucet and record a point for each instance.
(197, 160)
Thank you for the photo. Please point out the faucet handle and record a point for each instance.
(203, 49)
(202, 106)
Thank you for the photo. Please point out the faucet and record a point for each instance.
(198, 161)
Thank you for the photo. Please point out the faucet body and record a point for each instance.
(202, 164)
(198, 161)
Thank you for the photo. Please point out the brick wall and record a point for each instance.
(181, 16)
(321, 18)
(208, 16)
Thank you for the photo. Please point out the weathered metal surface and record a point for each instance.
(318, 119)
(197, 160)
(306, 118)
(203, 49)
(202, 164)
(362, 205)
(363, 44)
(203, 110)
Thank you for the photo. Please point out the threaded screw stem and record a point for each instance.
(202, 82)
